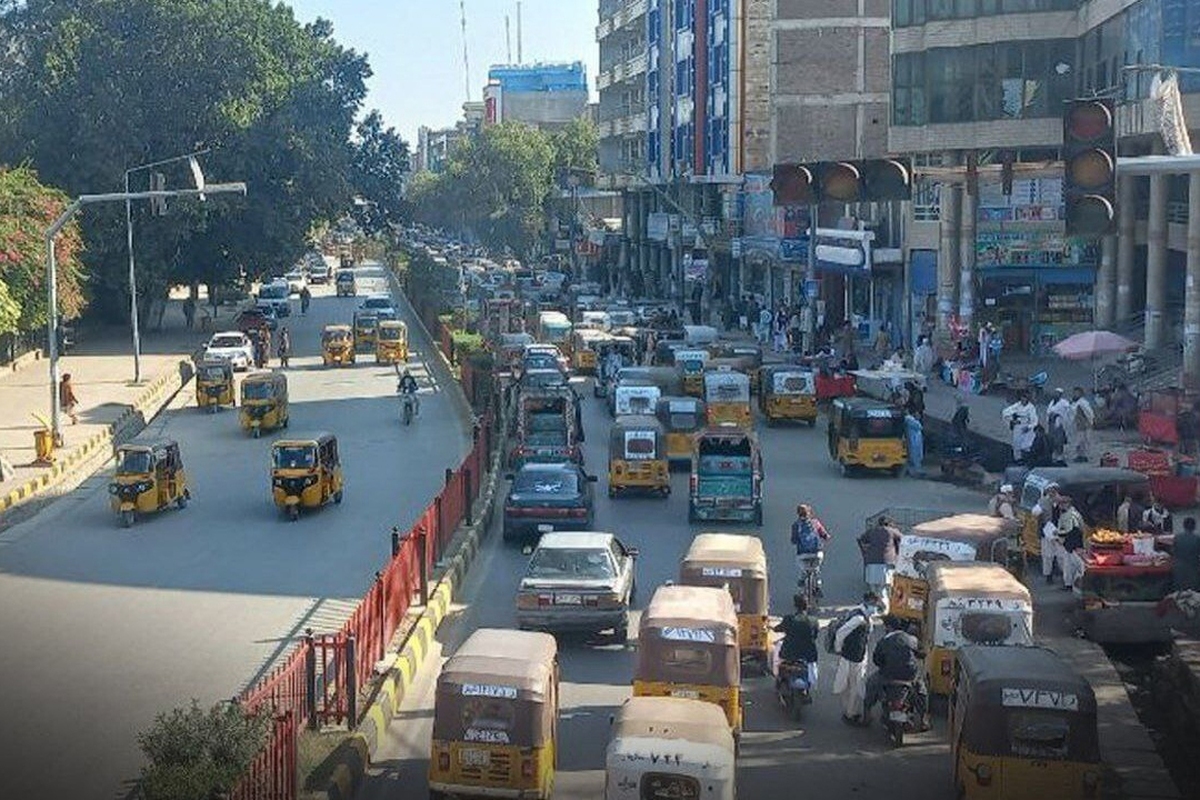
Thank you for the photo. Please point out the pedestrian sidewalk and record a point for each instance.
(101, 369)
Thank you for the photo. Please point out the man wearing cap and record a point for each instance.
(1001, 504)
(1070, 536)
(1047, 512)
(1060, 421)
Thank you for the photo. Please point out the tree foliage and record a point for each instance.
(95, 87)
(380, 166)
(496, 185)
(198, 754)
(27, 208)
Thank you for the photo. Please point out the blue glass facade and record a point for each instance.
(683, 122)
(654, 123)
(716, 140)
(541, 77)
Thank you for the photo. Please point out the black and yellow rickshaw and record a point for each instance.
(787, 394)
(688, 647)
(1022, 724)
(950, 537)
(681, 417)
(366, 328)
(337, 345)
(391, 343)
(214, 385)
(306, 472)
(264, 402)
(1096, 492)
(149, 478)
(585, 349)
(738, 563)
(867, 434)
(691, 364)
(637, 456)
(495, 717)
(743, 356)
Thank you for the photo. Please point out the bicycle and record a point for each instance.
(809, 578)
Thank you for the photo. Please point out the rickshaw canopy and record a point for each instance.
(871, 418)
(977, 603)
(689, 634)
(1014, 696)
(399, 326)
(264, 386)
(331, 332)
(665, 378)
(699, 335)
(729, 559)
(691, 360)
(635, 397)
(215, 370)
(636, 437)
(681, 414)
(157, 451)
(697, 736)
(788, 380)
(726, 386)
(1095, 490)
(957, 537)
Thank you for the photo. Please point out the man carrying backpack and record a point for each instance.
(850, 634)
(808, 537)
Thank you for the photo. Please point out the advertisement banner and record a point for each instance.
(1032, 249)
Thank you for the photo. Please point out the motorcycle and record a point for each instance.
(899, 716)
(792, 687)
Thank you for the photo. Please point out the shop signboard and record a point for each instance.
(656, 226)
(1032, 200)
(1031, 249)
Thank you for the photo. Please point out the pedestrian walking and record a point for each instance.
(1046, 511)
(189, 312)
(880, 545)
(1187, 426)
(960, 423)
(67, 399)
(284, 348)
(924, 357)
(1060, 417)
(1022, 418)
(1070, 536)
(850, 644)
(1084, 421)
(914, 433)
(765, 319)
(1185, 561)
(305, 300)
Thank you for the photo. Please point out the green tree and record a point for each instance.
(198, 754)
(27, 208)
(97, 86)
(379, 168)
(576, 148)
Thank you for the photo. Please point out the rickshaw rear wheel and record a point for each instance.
(127, 519)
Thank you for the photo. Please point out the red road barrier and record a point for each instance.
(283, 690)
(272, 775)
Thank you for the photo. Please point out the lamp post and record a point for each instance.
(52, 267)
(133, 307)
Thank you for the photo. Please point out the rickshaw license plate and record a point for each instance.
(474, 757)
(568, 599)
(687, 694)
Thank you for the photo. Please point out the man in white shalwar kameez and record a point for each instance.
(851, 641)
(1021, 417)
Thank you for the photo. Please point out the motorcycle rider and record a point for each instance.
(897, 657)
(800, 630)
(808, 537)
(408, 389)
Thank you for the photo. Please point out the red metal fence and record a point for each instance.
(320, 678)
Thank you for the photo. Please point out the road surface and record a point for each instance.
(101, 628)
(837, 761)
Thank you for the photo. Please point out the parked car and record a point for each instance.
(296, 281)
(556, 494)
(234, 346)
(578, 582)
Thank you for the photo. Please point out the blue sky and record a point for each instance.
(415, 47)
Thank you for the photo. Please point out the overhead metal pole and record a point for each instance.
(52, 269)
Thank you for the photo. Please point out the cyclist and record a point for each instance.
(809, 537)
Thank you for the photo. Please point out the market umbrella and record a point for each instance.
(1092, 345)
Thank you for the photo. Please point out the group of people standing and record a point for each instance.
(1067, 432)
(261, 340)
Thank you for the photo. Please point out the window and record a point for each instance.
(902, 13)
(940, 9)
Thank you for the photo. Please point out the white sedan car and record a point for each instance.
(296, 281)
(232, 345)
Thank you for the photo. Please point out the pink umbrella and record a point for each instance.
(1093, 344)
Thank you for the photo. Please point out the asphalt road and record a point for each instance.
(833, 760)
(101, 628)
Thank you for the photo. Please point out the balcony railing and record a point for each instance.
(632, 67)
(631, 122)
(625, 13)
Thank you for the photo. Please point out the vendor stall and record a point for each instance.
(1125, 577)
(884, 384)
(1172, 480)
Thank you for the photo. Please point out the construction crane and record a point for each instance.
(462, 7)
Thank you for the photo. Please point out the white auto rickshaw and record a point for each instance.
(670, 747)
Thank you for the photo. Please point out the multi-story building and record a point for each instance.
(622, 113)
(433, 148)
(978, 82)
(541, 95)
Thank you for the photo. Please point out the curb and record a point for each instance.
(157, 394)
(355, 754)
(22, 361)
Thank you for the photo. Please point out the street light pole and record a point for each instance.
(133, 306)
(52, 268)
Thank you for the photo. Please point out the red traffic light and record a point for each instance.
(793, 185)
(841, 182)
(1088, 121)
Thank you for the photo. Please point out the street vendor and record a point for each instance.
(1070, 537)
(1001, 504)
(1046, 512)
(1156, 518)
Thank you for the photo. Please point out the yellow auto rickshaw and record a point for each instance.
(214, 385)
(637, 456)
(495, 717)
(1023, 724)
(971, 602)
(337, 345)
(703, 753)
(867, 434)
(737, 563)
(691, 364)
(727, 395)
(788, 394)
(584, 346)
(264, 402)
(688, 647)
(366, 328)
(1096, 491)
(681, 417)
(149, 478)
(306, 472)
(391, 346)
(957, 537)
(746, 357)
